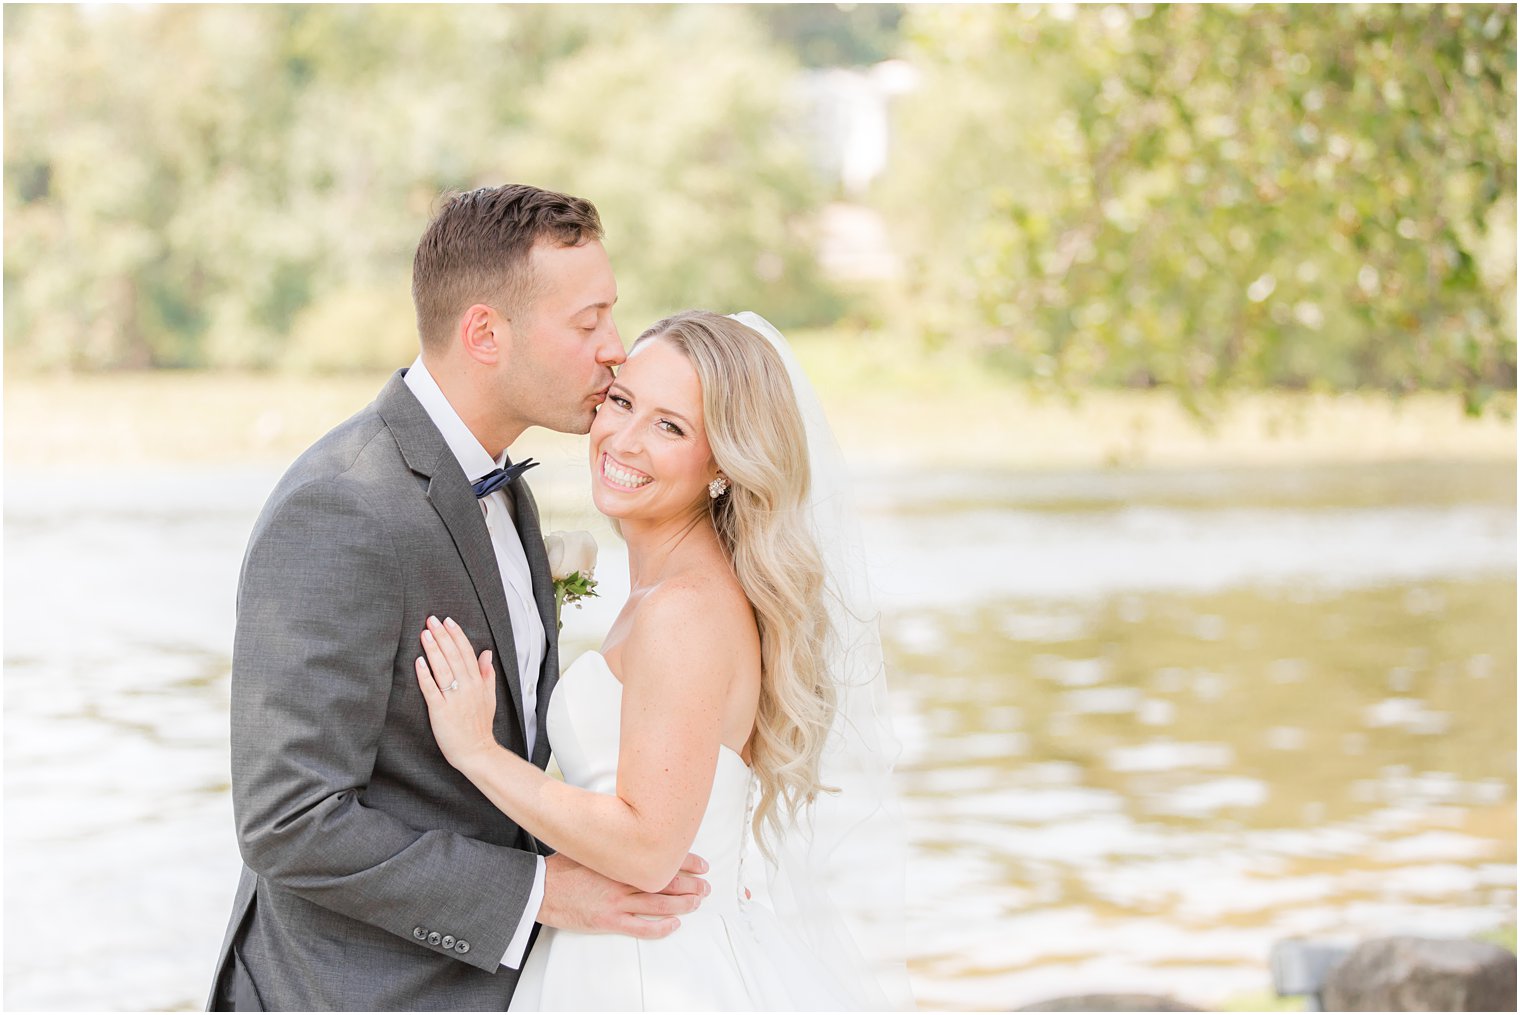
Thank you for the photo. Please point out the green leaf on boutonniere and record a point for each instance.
(572, 589)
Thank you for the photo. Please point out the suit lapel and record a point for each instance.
(449, 492)
(543, 593)
(457, 505)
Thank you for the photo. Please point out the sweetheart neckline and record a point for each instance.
(607, 668)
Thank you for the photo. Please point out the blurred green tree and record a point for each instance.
(244, 186)
(685, 137)
(834, 35)
(1211, 197)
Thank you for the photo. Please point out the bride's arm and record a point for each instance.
(677, 665)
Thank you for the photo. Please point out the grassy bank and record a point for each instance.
(892, 405)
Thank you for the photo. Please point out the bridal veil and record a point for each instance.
(838, 876)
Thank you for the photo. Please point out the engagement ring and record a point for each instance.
(453, 687)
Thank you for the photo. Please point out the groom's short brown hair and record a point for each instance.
(476, 251)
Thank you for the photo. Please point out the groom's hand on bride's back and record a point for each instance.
(578, 898)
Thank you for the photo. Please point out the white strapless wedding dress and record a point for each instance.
(732, 954)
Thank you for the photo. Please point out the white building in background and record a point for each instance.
(849, 130)
(849, 137)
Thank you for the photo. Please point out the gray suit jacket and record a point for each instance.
(375, 876)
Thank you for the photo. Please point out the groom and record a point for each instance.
(375, 876)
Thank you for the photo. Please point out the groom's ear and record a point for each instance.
(483, 333)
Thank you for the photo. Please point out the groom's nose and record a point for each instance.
(610, 351)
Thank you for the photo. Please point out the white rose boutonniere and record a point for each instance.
(572, 565)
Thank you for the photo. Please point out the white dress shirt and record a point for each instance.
(528, 635)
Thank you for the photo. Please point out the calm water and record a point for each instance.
(1154, 722)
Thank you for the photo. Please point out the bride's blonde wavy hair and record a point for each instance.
(759, 442)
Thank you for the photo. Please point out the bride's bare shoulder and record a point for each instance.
(693, 612)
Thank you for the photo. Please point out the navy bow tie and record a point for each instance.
(498, 478)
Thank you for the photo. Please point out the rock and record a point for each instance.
(1422, 974)
(1110, 1002)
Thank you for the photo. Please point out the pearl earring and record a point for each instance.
(717, 488)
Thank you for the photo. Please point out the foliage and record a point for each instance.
(834, 35)
(1211, 197)
(1201, 198)
(706, 203)
(244, 186)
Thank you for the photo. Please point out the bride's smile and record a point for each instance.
(621, 477)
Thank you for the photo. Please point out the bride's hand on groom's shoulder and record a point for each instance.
(578, 898)
(460, 689)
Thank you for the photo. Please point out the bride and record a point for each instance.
(735, 710)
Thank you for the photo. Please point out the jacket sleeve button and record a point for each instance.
(448, 940)
(419, 933)
(434, 938)
(461, 946)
